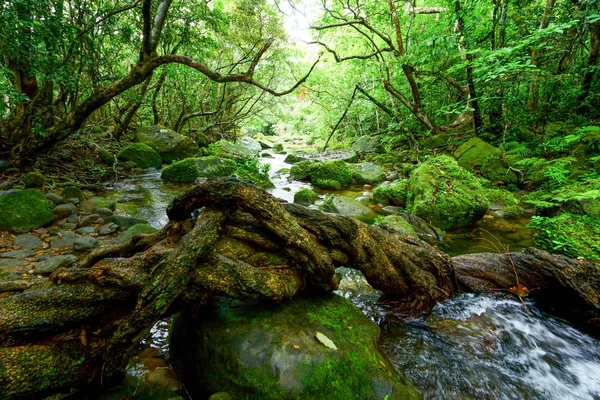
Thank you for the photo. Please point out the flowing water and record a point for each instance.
(470, 347)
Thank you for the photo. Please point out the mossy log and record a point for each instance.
(79, 326)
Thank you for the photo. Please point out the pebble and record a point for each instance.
(108, 229)
(64, 210)
(67, 225)
(85, 243)
(54, 198)
(86, 230)
(103, 212)
(89, 220)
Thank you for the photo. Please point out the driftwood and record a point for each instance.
(80, 325)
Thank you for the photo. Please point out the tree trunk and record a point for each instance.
(79, 326)
(591, 66)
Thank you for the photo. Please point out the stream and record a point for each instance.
(469, 347)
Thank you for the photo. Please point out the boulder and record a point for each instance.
(98, 202)
(141, 154)
(22, 211)
(34, 179)
(51, 264)
(305, 196)
(169, 144)
(398, 224)
(367, 144)
(475, 155)
(54, 198)
(391, 194)
(191, 168)
(245, 149)
(139, 229)
(445, 194)
(64, 210)
(367, 173)
(347, 207)
(72, 192)
(124, 222)
(333, 174)
(293, 159)
(85, 243)
(306, 348)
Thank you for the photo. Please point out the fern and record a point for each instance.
(517, 148)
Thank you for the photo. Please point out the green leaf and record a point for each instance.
(325, 341)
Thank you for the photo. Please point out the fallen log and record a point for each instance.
(80, 325)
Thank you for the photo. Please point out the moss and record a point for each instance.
(445, 195)
(25, 210)
(513, 212)
(305, 196)
(191, 168)
(302, 170)
(501, 197)
(393, 194)
(34, 179)
(333, 174)
(141, 154)
(254, 172)
(475, 155)
(397, 224)
(568, 234)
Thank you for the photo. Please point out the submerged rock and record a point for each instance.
(284, 351)
(22, 211)
(169, 144)
(141, 154)
(190, 169)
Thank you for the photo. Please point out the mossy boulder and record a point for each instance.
(392, 194)
(445, 194)
(34, 179)
(169, 144)
(367, 144)
(305, 196)
(73, 192)
(24, 210)
(367, 173)
(98, 202)
(191, 168)
(242, 150)
(293, 159)
(271, 351)
(475, 155)
(398, 224)
(138, 229)
(141, 154)
(333, 174)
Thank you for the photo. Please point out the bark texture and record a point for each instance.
(80, 325)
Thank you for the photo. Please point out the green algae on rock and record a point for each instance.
(477, 155)
(392, 194)
(332, 174)
(367, 173)
(140, 153)
(269, 351)
(305, 196)
(22, 211)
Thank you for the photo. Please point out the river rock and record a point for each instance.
(73, 191)
(98, 202)
(309, 348)
(89, 220)
(125, 222)
(398, 224)
(107, 229)
(34, 179)
(392, 193)
(18, 254)
(66, 239)
(64, 210)
(84, 243)
(445, 194)
(367, 173)
(86, 230)
(333, 174)
(22, 211)
(67, 225)
(103, 212)
(51, 264)
(245, 149)
(190, 169)
(423, 229)
(54, 198)
(347, 207)
(142, 155)
(28, 241)
(477, 155)
(367, 144)
(138, 229)
(305, 196)
(293, 159)
(169, 144)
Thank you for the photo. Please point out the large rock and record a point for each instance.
(395, 194)
(347, 207)
(34, 179)
(445, 194)
(367, 144)
(271, 351)
(333, 174)
(191, 168)
(22, 211)
(245, 149)
(139, 229)
(475, 155)
(367, 173)
(169, 144)
(141, 154)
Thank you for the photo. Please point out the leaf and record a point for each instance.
(296, 346)
(325, 341)
(520, 290)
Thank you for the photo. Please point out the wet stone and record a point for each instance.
(18, 254)
(54, 198)
(86, 230)
(103, 212)
(10, 262)
(67, 225)
(125, 222)
(67, 240)
(72, 191)
(393, 210)
(85, 243)
(108, 229)
(27, 241)
(89, 220)
(73, 200)
(73, 218)
(64, 210)
(51, 264)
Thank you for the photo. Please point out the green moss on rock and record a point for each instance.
(141, 154)
(269, 351)
(191, 168)
(333, 174)
(445, 194)
(169, 144)
(305, 196)
(393, 194)
(24, 210)
(475, 155)
(34, 179)
(137, 229)
(367, 173)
